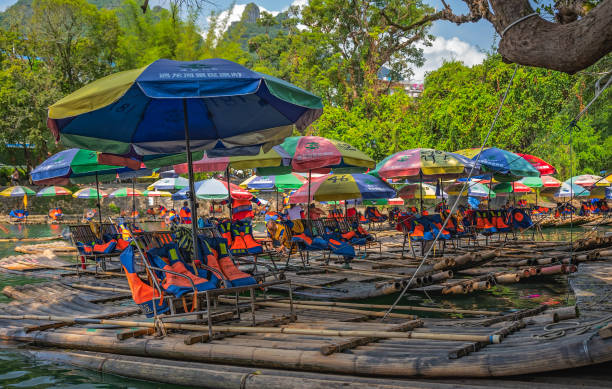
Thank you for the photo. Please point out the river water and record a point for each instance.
(19, 370)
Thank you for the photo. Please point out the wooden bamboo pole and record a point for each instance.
(323, 308)
(268, 330)
(401, 307)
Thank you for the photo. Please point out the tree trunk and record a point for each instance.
(565, 47)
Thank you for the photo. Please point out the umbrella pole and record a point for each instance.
(308, 207)
(192, 203)
(421, 190)
(277, 206)
(133, 199)
(229, 192)
(98, 197)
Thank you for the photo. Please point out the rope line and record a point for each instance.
(517, 21)
(455, 204)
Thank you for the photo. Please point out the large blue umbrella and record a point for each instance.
(171, 107)
(504, 165)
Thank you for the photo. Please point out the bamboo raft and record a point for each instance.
(84, 316)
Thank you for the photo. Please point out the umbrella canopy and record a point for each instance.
(156, 193)
(599, 192)
(566, 191)
(504, 165)
(542, 166)
(393, 201)
(474, 189)
(609, 193)
(511, 187)
(213, 189)
(342, 187)
(170, 183)
(126, 192)
(539, 182)
(588, 180)
(413, 191)
(17, 191)
(80, 166)
(245, 184)
(284, 181)
(428, 163)
(141, 110)
(273, 158)
(89, 193)
(52, 191)
(310, 153)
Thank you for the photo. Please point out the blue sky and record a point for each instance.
(465, 42)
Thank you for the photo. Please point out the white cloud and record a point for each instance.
(235, 13)
(447, 49)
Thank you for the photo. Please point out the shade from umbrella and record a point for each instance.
(342, 187)
(539, 182)
(504, 165)
(170, 183)
(427, 163)
(588, 180)
(474, 189)
(542, 166)
(156, 193)
(511, 187)
(89, 193)
(281, 182)
(126, 192)
(418, 191)
(17, 191)
(52, 191)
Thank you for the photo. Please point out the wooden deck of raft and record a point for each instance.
(308, 342)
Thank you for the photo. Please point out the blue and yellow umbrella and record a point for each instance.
(17, 191)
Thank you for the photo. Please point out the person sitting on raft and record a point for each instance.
(278, 233)
(185, 214)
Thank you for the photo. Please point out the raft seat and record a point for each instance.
(184, 289)
(83, 235)
(346, 226)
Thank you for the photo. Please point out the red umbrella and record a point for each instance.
(542, 166)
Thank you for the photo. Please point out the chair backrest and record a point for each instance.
(330, 223)
(83, 232)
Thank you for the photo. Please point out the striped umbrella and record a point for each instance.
(511, 187)
(156, 193)
(17, 191)
(52, 191)
(283, 181)
(428, 163)
(126, 192)
(474, 189)
(539, 182)
(343, 187)
(419, 191)
(541, 165)
(588, 180)
(89, 193)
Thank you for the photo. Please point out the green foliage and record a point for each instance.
(114, 208)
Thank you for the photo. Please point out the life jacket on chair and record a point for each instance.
(238, 246)
(484, 224)
(241, 209)
(185, 215)
(246, 232)
(225, 229)
(499, 221)
(520, 219)
(18, 214)
(167, 258)
(134, 214)
(142, 293)
(235, 276)
(341, 248)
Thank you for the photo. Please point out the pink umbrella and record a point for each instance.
(550, 182)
